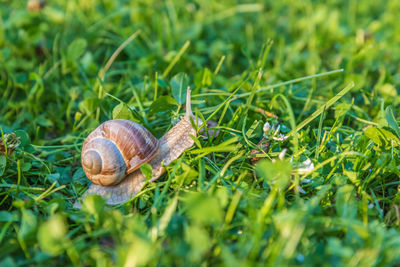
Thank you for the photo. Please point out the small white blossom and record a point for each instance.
(305, 167)
(266, 127)
(305, 181)
(280, 137)
(301, 190)
(273, 132)
(282, 154)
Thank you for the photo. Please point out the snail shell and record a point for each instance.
(120, 186)
(115, 149)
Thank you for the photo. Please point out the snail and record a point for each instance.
(113, 153)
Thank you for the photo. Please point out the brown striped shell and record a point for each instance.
(115, 149)
(170, 147)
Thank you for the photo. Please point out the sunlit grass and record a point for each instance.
(325, 75)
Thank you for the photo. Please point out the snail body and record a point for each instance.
(113, 153)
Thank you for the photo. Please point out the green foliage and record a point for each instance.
(162, 104)
(392, 120)
(382, 137)
(122, 111)
(51, 235)
(179, 85)
(146, 170)
(332, 199)
(275, 173)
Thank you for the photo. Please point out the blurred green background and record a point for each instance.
(206, 210)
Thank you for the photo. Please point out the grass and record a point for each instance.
(327, 73)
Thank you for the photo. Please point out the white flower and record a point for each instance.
(282, 154)
(280, 137)
(266, 127)
(305, 167)
(305, 181)
(301, 190)
(273, 132)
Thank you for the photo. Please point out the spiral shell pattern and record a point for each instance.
(115, 149)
